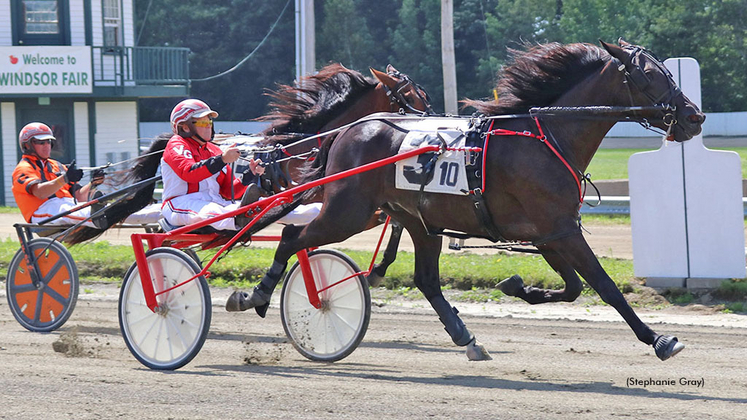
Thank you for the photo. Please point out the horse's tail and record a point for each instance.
(145, 167)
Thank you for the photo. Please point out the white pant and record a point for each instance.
(57, 205)
(302, 215)
(147, 215)
(192, 208)
(185, 210)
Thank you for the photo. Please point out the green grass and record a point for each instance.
(742, 152)
(474, 275)
(244, 267)
(613, 163)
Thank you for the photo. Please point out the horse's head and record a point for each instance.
(403, 93)
(650, 83)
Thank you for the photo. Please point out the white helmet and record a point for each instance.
(187, 110)
(34, 130)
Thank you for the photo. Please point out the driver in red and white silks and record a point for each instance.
(197, 180)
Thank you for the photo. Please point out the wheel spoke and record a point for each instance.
(341, 293)
(53, 270)
(147, 331)
(21, 288)
(178, 333)
(56, 296)
(341, 320)
(134, 322)
(37, 310)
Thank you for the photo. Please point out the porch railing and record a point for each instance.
(130, 66)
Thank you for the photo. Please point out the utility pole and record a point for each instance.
(305, 38)
(447, 57)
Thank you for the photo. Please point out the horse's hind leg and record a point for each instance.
(390, 254)
(339, 219)
(514, 286)
(427, 251)
(579, 255)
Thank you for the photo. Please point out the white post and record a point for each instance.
(686, 206)
(447, 57)
(305, 38)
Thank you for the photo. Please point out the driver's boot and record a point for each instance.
(251, 194)
(99, 221)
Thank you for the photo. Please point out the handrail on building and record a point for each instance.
(120, 66)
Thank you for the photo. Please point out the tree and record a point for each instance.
(344, 36)
(219, 35)
(416, 45)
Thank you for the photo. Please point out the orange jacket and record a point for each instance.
(32, 170)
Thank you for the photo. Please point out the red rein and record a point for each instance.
(541, 137)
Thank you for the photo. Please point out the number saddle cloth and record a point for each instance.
(448, 173)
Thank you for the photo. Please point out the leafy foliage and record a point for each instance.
(406, 33)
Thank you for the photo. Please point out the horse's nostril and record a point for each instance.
(697, 118)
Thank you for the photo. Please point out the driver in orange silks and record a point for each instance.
(44, 187)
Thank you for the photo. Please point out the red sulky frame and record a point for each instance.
(180, 238)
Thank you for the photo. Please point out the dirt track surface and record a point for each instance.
(560, 361)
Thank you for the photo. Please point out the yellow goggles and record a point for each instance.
(203, 123)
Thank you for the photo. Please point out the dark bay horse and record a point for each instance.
(531, 189)
(331, 98)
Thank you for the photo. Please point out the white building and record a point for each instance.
(73, 65)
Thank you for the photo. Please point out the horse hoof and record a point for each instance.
(477, 352)
(667, 346)
(241, 301)
(374, 280)
(233, 303)
(511, 286)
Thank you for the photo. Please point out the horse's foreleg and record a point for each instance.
(390, 254)
(579, 255)
(514, 286)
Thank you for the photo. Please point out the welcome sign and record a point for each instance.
(45, 70)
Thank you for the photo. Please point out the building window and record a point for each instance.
(112, 23)
(41, 17)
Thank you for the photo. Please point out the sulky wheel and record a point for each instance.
(45, 305)
(332, 332)
(170, 337)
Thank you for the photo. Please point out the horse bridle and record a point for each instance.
(638, 77)
(397, 97)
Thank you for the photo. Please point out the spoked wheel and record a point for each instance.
(170, 337)
(332, 332)
(47, 305)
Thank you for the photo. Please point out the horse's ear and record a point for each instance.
(390, 69)
(614, 50)
(621, 42)
(384, 78)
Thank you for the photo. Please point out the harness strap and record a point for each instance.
(483, 215)
(557, 236)
(541, 137)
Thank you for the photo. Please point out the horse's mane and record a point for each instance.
(316, 100)
(540, 75)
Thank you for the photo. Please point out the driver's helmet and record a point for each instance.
(187, 110)
(34, 130)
